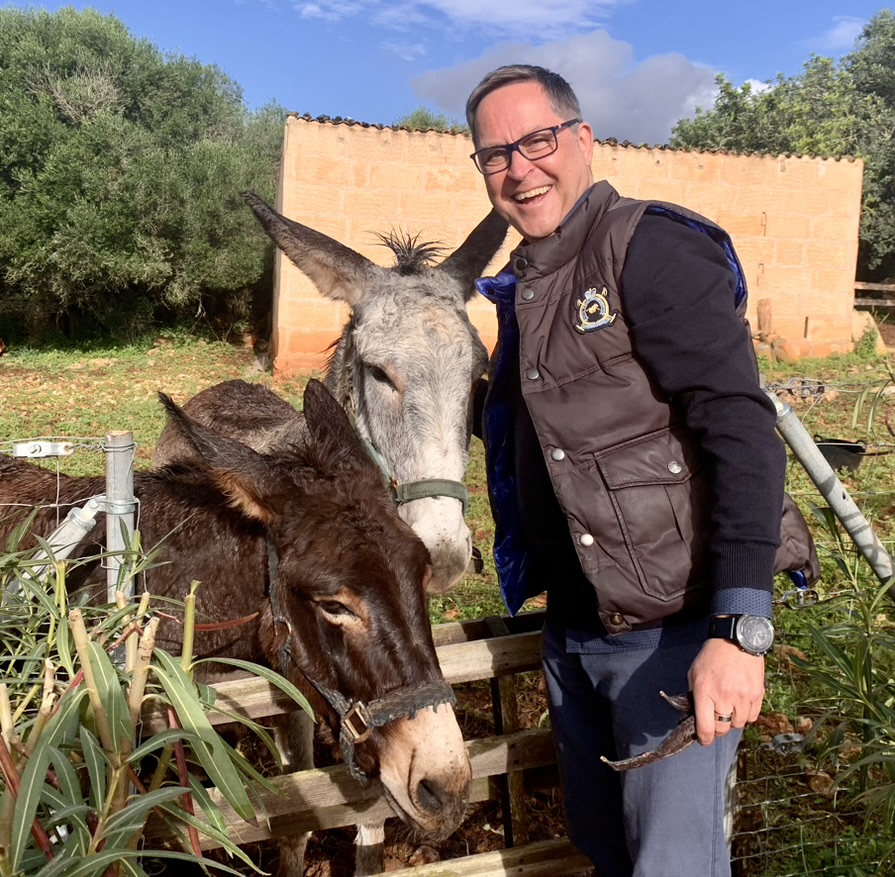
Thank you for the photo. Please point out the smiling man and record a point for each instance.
(634, 473)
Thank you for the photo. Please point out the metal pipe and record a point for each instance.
(119, 450)
(62, 541)
(834, 492)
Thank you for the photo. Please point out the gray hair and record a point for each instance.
(562, 99)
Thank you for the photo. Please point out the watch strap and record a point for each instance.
(723, 627)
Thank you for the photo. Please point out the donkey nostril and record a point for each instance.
(430, 795)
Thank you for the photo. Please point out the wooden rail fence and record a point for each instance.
(505, 766)
(875, 295)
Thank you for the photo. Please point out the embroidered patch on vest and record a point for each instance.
(592, 311)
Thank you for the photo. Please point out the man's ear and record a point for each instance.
(586, 142)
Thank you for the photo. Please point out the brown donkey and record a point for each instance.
(307, 537)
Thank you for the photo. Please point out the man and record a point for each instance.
(634, 474)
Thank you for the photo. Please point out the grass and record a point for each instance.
(87, 393)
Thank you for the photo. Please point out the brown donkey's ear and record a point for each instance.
(244, 476)
(330, 427)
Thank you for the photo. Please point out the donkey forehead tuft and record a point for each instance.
(412, 256)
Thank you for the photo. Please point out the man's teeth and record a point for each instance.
(531, 193)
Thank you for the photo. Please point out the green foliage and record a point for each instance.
(830, 109)
(78, 783)
(120, 174)
(424, 119)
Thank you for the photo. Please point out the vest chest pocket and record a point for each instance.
(661, 500)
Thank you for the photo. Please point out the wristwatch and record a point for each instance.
(752, 633)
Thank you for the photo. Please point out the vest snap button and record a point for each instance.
(532, 374)
(616, 618)
(527, 294)
(675, 468)
(558, 454)
(521, 264)
(586, 540)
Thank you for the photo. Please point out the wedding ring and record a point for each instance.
(723, 718)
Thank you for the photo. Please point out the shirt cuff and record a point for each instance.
(743, 601)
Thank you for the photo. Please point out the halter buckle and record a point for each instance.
(357, 724)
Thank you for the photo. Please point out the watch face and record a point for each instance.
(755, 634)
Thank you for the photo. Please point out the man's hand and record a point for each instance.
(725, 681)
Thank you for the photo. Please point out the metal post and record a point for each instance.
(833, 491)
(119, 450)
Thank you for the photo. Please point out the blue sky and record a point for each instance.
(637, 65)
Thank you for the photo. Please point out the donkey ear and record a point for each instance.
(241, 474)
(474, 254)
(337, 271)
(328, 423)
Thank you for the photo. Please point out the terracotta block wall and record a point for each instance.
(794, 222)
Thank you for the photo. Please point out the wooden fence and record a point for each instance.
(505, 767)
(875, 295)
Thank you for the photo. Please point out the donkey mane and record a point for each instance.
(412, 256)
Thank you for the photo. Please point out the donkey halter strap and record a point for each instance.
(358, 719)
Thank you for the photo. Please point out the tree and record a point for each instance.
(423, 119)
(120, 174)
(830, 109)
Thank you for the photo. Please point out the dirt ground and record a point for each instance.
(886, 328)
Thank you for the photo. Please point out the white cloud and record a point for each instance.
(840, 37)
(757, 86)
(549, 17)
(406, 51)
(621, 97)
(328, 11)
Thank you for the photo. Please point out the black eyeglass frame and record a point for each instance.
(516, 147)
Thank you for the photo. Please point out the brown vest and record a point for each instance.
(625, 469)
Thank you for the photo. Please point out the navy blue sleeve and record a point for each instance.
(678, 295)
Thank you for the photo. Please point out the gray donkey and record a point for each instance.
(403, 369)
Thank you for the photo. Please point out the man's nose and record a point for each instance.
(519, 165)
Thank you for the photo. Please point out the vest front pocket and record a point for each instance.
(661, 501)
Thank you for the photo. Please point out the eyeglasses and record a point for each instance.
(538, 144)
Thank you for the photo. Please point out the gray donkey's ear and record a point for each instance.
(337, 271)
(474, 254)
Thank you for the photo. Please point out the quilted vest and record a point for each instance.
(625, 468)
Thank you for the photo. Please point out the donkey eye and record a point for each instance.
(336, 610)
(378, 374)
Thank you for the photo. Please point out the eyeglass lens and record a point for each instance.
(535, 145)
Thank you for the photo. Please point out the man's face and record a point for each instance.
(534, 196)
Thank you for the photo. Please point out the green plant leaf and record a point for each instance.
(71, 795)
(180, 816)
(96, 767)
(158, 741)
(206, 744)
(95, 864)
(122, 826)
(268, 675)
(111, 694)
(35, 774)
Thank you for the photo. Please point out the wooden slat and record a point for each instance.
(875, 287)
(887, 302)
(479, 628)
(549, 858)
(460, 662)
(322, 798)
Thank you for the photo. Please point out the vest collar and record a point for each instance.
(534, 259)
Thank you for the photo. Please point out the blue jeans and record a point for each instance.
(666, 819)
